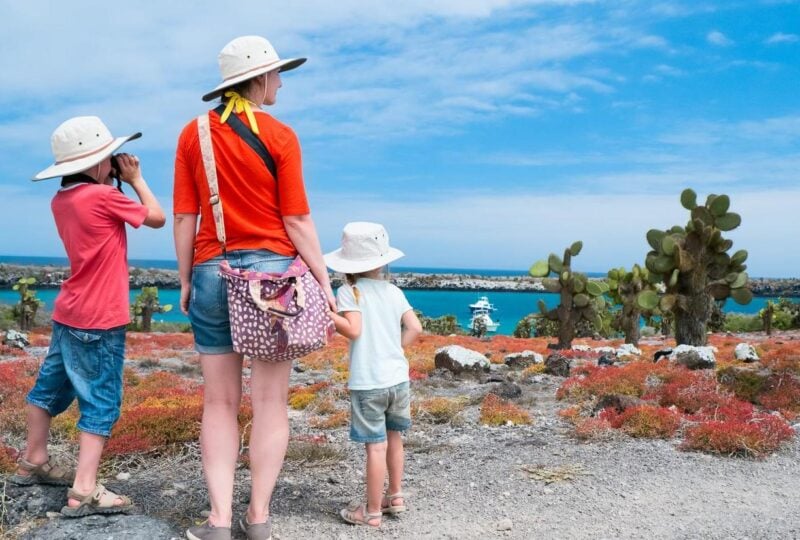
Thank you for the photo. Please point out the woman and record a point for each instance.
(267, 223)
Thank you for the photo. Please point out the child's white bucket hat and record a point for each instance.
(80, 143)
(247, 57)
(365, 246)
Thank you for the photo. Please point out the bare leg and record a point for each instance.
(376, 475)
(269, 388)
(38, 433)
(219, 435)
(395, 462)
(91, 449)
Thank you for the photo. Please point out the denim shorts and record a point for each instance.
(208, 305)
(83, 364)
(373, 412)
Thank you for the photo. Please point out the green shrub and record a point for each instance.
(740, 322)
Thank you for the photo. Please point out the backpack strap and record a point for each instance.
(252, 140)
(207, 151)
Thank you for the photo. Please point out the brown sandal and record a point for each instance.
(46, 473)
(390, 508)
(99, 501)
(349, 515)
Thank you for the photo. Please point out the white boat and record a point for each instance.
(482, 305)
(479, 317)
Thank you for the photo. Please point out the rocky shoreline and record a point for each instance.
(51, 277)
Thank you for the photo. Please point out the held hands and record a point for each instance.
(186, 291)
(129, 169)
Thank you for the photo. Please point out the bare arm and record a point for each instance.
(131, 173)
(411, 328)
(349, 324)
(303, 234)
(184, 231)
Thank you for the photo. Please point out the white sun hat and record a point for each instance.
(80, 143)
(247, 57)
(365, 246)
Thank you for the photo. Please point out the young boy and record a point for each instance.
(87, 347)
(379, 321)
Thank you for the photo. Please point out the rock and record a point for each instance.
(746, 353)
(663, 353)
(497, 368)
(171, 493)
(582, 348)
(298, 368)
(694, 357)
(16, 339)
(606, 360)
(557, 364)
(628, 349)
(113, 527)
(492, 377)
(508, 390)
(124, 476)
(505, 524)
(605, 350)
(178, 486)
(22, 503)
(618, 402)
(523, 359)
(459, 359)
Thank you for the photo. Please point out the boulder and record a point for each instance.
(508, 390)
(605, 350)
(112, 527)
(557, 364)
(523, 359)
(618, 402)
(628, 349)
(746, 353)
(16, 339)
(25, 502)
(458, 359)
(582, 348)
(694, 357)
(606, 360)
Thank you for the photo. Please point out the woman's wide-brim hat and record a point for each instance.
(247, 57)
(79, 144)
(365, 247)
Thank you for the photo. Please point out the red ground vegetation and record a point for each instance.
(647, 421)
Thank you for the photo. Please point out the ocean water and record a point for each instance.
(511, 306)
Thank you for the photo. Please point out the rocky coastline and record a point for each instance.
(51, 277)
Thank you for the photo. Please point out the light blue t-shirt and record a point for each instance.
(376, 357)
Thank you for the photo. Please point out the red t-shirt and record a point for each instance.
(91, 222)
(254, 203)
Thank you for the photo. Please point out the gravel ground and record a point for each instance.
(468, 481)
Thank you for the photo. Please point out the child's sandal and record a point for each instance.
(47, 473)
(390, 508)
(350, 515)
(99, 501)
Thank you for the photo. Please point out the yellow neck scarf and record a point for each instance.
(238, 103)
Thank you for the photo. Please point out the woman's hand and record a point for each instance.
(129, 169)
(186, 293)
(331, 299)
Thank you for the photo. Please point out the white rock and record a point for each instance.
(123, 476)
(457, 359)
(505, 525)
(628, 349)
(746, 352)
(581, 348)
(525, 357)
(704, 352)
(605, 350)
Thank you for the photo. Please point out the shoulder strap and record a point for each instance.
(252, 140)
(207, 151)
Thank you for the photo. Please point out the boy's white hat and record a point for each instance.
(365, 246)
(80, 143)
(247, 57)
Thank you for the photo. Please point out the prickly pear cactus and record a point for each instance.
(581, 299)
(695, 267)
(624, 290)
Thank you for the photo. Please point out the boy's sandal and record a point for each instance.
(47, 473)
(99, 501)
(349, 515)
(390, 508)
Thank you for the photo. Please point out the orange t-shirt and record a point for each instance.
(253, 202)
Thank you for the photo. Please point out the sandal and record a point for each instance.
(46, 473)
(349, 515)
(390, 508)
(99, 501)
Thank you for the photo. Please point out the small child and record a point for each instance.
(87, 346)
(379, 321)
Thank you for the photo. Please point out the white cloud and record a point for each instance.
(780, 37)
(715, 37)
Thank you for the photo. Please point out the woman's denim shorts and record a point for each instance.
(83, 364)
(208, 305)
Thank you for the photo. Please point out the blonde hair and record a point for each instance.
(353, 278)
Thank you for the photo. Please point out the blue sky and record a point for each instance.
(482, 133)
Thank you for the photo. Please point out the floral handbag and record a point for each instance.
(274, 317)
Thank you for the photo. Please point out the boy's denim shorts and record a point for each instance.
(208, 304)
(83, 364)
(373, 412)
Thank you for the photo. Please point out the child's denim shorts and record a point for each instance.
(208, 306)
(86, 364)
(373, 412)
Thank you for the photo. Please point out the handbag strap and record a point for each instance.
(207, 151)
(252, 140)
